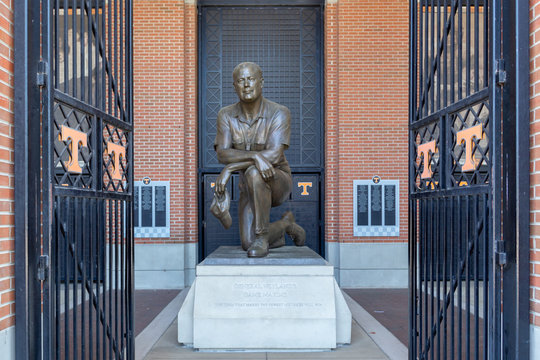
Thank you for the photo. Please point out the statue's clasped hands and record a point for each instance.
(264, 166)
(266, 169)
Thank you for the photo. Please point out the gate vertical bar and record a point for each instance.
(438, 85)
(47, 182)
(130, 252)
(91, 241)
(55, 263)
(515, 109)
(495, 196)
(476, 46)
(459, 278)
(73, 215)
(431, 55)
(468, 48)
(486, 271)
(468, 234)
(84, 240)
(508, 243)
(522, 157)
(27, 179)
(460, 50)
(447, 222)
(412, 246)
(453, 231)
(73, 47)
(66, 278)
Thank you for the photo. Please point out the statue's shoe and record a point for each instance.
(278, 243)
(259, 248)
(295, 231)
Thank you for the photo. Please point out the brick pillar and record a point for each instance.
(366, 88)
(534, 29)
(331, 33)
(165, 91)
(7, 241)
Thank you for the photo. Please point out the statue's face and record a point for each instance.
(248, 83)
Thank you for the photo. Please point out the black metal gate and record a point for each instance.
(75, 65)
(468, 208)
(286, 42)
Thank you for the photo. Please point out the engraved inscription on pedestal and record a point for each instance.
(278, 309)
(264, 294)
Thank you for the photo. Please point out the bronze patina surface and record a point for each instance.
(251, 138)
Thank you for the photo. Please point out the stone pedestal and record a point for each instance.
(288, 300)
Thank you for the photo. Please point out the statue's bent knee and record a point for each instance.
(254, 180)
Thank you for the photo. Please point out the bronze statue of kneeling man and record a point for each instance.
(251, 138)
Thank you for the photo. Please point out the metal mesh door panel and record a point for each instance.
(286, 43)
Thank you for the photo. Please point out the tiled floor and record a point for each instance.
(148, 304)
(387, 306)
(362, 347)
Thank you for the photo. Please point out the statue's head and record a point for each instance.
(248, 81)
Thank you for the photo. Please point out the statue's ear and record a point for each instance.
(262, 82)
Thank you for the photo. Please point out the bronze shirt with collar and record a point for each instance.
(271, 127)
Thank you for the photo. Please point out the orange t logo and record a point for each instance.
(116, 151)
(305, 185)
(467, 136)
(423, 152)
(77, 138)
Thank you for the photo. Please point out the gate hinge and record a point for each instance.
(500, 72)
(41, 79)
(500, 254)
(43, 267)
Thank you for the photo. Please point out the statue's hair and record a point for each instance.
(248, 63)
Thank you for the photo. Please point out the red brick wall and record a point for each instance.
(165, 80)
(535, 158)
(7, 242)
(367, 36)
(367, 64)
(331, 41)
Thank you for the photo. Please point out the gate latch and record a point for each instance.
(500, 254)
(41, 78)
(43, 267)
(500, 72)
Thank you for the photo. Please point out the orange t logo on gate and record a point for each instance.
(467, 136)
(116, 151)
(423, 151)
(304, 186)
(78, 138)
